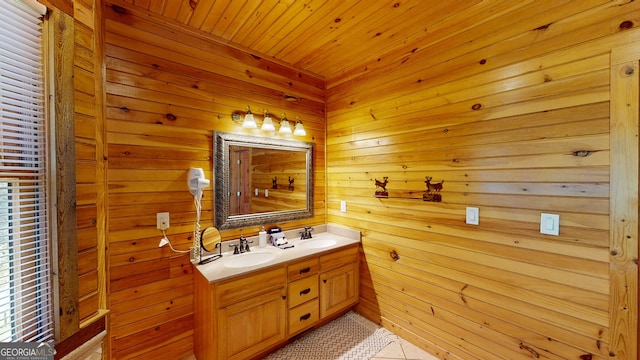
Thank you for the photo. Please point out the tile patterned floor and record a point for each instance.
(349, 337)
(398, 349)
(401, 349)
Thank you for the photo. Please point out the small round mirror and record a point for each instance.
(209, 237)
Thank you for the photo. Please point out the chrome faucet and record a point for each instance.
(245, 247)
(242, 246)
(306, 233)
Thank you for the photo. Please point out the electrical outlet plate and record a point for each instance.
(162, 220)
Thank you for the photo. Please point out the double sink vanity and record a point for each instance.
(250, 303)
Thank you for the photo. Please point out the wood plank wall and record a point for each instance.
(167, 91)
(88, 305)
(89, 160)
(508, 104)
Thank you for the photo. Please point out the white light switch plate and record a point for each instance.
(473, 216)
(550, 224)
(343, 206)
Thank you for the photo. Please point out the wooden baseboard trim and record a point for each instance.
(82, 336)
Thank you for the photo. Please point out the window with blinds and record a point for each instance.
(25, 272)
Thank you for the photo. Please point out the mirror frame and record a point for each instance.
(221, 143)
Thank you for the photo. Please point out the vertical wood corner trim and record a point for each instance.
(623, 217)
(62, 51)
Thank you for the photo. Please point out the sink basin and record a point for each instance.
(249, 259)
(317, 244)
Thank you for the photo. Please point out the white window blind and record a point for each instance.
(25, 284)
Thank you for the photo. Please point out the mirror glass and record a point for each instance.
(209, 237)
(209, 240)
(261, 180)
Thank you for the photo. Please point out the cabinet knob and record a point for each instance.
(324, 281)
(284, 297)
(305, 291)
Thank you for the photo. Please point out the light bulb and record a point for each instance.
(285, 127)
(249, 121)
(299, 129)
(267, 124)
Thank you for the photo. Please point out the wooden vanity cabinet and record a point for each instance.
(245, 316)
(240, 317)
(339, 287)
(252, 325)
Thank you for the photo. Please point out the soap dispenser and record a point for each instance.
(262, 238)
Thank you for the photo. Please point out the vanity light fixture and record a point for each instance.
(299, 129)
(249, 121)
(285, 127)
(267, 123)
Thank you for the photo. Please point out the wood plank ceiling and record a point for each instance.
(323, 37)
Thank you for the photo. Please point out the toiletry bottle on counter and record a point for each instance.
(262, 238)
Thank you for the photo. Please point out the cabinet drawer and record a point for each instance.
(302, 269)
(339, 258)
(303, 316)
(303, 290)
(235, 290)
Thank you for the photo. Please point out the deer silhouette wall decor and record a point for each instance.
(433, 190)
(381, 188)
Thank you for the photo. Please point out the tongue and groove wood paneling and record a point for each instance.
(508, 102)
(167, 90)
(325, 37)
(89, 167)
(512, 111)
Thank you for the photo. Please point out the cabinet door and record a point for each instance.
(338, 289)
(250, 326)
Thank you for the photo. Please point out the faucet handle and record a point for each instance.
(306, 233)
(235, 248)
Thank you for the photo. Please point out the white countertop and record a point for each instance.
(324, 238)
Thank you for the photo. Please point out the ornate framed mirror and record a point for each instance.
(261, 180)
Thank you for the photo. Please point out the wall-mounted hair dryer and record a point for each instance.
(196, 180)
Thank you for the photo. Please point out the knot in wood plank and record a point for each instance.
(626, 25)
